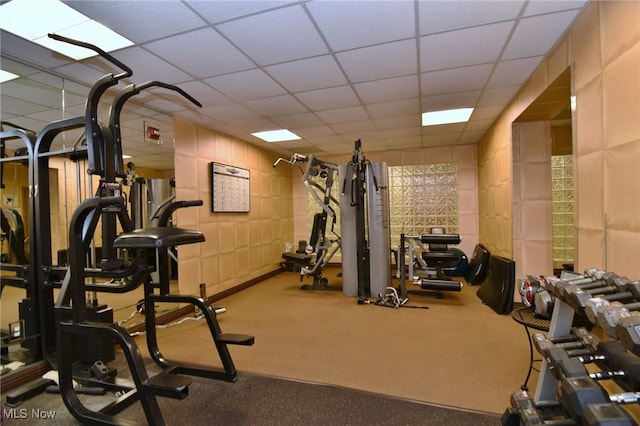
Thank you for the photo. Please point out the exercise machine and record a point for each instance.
(318, 179)
(68, 321)
(365, 227)
(418, 272)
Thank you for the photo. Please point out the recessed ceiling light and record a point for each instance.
(276, 135)
(449, 116)
(6, 76)
(34, 19)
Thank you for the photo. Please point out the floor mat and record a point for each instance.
(263, 400)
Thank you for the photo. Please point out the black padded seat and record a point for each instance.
(160, 237)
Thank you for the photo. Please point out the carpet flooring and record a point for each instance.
(263, 400)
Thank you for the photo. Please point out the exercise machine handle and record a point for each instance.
(128, 72)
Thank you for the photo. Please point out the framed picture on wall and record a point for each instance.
(229, 189)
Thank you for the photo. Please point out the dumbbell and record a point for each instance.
(592, 305)
(618, 288)
(609, 315)
(578, 393)
(524, 411)
(558, 287)
(579, 339)
(628, 332)
(604, 353)
(624, 366)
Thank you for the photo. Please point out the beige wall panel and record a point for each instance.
(590, 246)
(620, 28)
(189, 273)
(558, 60)
(538, 255)
(621, 100)
(590, 190)
(210, 271)
(585, 45)
(588, 117)
(623, 253)
(622, 200)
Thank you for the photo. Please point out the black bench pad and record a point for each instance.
(157, 238)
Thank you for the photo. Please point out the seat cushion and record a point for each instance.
(157, 238)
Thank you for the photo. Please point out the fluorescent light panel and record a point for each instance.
(449, 116)
(34, 19)
(7, 76)
(276, 135)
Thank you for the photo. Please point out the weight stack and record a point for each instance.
(99, 347)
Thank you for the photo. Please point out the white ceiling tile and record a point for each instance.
(315, 132)
(440, 16)
(246, 85)
(231, 112)
(351, 24)
(450, 101)
(487, 112)
(162, 18)
(28, 91)
(204, 94)
(330, 98)
(398, 122)
(517, 71)
(538, 7)
(276, 106)
(148, 67)
(295, 121)
(219, 11)
(471, 46)
(394, 108)
(354, 127)
(479, 125)
(382, 61)
(455, 80)
(388, 89)
(343, 115)
(216, 55)
(443, 129)
(410, 131)
(545, 30)
(498, 96)
(295, 145)
(308, 74)
(276, 36)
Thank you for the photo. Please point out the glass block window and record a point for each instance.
(420, 197)
(562, 208)
(423, 196)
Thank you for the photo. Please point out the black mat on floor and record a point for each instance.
(262, 400)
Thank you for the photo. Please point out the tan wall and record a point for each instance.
(603, 49)
(239, 246)
(464, 155)
(532, 215)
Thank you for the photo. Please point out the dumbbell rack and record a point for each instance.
(561, 322)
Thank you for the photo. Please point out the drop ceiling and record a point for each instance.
(330, 71)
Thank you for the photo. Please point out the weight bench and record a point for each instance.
(145, 242)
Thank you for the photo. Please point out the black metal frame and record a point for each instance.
(68, 316)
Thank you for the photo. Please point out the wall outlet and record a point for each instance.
(8, 200)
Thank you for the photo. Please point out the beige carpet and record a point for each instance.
(457, 353)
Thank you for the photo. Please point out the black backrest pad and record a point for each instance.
(497, 289)
(478, 264)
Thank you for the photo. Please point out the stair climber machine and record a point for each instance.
(365, 227)
(67, 324)
(318, 178)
